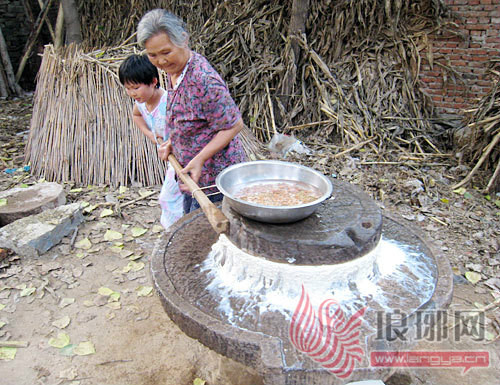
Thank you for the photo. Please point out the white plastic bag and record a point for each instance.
(283, 144)
(171, 199)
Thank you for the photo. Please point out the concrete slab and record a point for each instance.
(34, 235)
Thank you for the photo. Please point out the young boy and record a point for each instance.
(141, 81)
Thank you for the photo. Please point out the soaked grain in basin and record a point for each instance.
(288, 193)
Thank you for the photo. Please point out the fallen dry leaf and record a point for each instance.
(61, 323)
(112, 235)
(144, 291)
(60, 341)
(84, 348)
(106, 213)
(7, 354)
(27, 291)
(105, 291)
(66, 302)
(133, 266)
(473, 277)
(68, 374)
(138, 231)
(84, 244)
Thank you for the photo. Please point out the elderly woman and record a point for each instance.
(202, 117)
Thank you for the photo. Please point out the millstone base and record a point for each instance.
(237, 327)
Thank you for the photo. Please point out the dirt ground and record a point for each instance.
(98, 292)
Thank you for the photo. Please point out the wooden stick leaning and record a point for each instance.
(216, 218)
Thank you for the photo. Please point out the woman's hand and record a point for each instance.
(164, 150)
(218, 142)
(193, 168)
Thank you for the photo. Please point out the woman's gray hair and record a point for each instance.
(158, 21)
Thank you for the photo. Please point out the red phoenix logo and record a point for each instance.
(328, 338)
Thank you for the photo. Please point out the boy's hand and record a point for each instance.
(158, 139)
(164, 150)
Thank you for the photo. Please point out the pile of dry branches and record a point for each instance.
(351, 79)
(352, 75)
(482, 147)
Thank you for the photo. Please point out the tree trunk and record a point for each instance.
(3, 87)
(297, 27)
(30, 44)
(72, 22)
(58, 41)
(7, 67)
(300, 10)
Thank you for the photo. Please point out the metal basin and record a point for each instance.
(234, 178)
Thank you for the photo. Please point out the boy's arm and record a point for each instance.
(141, 123)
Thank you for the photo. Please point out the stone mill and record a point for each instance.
(264, 293)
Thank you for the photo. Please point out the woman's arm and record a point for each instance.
(141, 123)
(219, 141)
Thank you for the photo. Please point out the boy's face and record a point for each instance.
(142, 93)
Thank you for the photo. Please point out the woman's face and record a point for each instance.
(166, 55)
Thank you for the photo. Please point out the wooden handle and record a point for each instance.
(217, 219)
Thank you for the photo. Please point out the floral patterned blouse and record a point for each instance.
(199, 108)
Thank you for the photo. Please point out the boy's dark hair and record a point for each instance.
(138, 69)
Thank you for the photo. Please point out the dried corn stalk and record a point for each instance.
(354, 82)
(356, 76)
(482, 147)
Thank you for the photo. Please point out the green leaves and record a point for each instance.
(462, 191)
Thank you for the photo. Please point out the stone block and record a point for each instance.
(22, 202)
(34, 235)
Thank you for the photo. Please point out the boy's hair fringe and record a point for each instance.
(137, 69)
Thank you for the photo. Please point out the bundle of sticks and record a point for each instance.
(82, 128)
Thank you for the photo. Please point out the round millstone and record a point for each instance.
(23, 202)
(344, 227)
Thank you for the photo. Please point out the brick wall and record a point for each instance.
(15, 28)
(468, 54)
